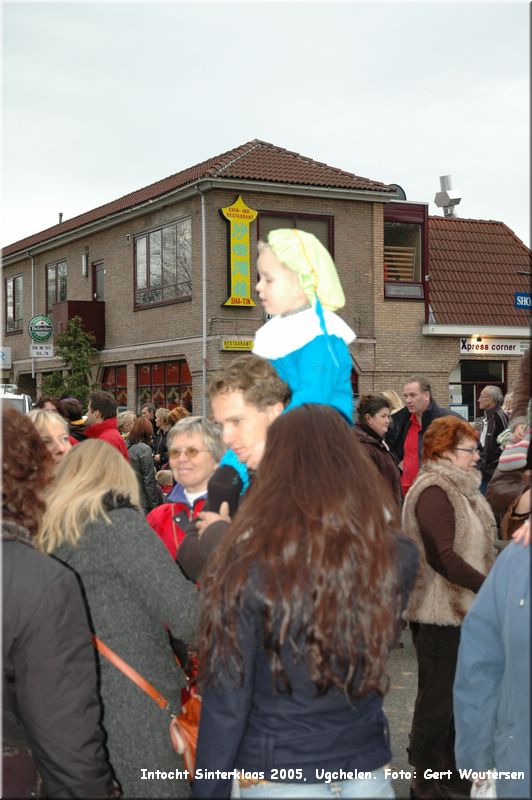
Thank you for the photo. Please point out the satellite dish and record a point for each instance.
(400, 192)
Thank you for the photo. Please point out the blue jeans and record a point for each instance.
(376, 786)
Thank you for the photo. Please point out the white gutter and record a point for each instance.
(32, 305)
(190, 190)
(512, 332)
(203, 305)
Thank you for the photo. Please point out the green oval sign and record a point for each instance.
(40, 328)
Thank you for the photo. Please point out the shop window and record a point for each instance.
(114, 380)
(321, 227)
(166, 385)
(469, 378)
(163, 265)
(56, 284)
(14, 303)
(405, 251)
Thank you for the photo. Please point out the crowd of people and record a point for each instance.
(273, 554)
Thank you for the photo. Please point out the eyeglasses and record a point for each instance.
(468, 449)
(190, 452)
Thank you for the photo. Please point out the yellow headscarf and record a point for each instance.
(304, 253)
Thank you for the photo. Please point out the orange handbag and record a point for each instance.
(183, 726)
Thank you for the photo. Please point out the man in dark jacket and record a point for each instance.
(405, 434)
(494, 422)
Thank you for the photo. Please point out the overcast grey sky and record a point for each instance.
(100, 99)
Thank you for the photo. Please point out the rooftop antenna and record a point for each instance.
(446, 198)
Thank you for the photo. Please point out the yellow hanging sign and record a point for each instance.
(239, 216)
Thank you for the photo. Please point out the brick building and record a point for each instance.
(165, 278)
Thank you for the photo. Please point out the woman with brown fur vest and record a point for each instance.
(454, 528)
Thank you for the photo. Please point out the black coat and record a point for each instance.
(381, 456)
(400, 425)
(50, 698)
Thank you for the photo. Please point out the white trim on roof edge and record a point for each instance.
(511, 332)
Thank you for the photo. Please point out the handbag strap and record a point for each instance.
(132, 674)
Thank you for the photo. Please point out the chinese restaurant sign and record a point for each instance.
(240, 217)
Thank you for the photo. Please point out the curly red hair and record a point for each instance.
(27, 470)
(443, 434)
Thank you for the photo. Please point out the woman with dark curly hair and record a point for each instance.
(301, 602)
(52, 741)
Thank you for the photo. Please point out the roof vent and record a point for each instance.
(60, 217)
(446, 198)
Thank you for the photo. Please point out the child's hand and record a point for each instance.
(206, 518)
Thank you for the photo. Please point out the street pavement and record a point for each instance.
(399, 707)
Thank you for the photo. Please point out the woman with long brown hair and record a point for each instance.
(141, 458)
(300, 610)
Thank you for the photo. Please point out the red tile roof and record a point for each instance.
(255, 160)
(473, 267)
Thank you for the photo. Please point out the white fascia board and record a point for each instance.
(506, 331)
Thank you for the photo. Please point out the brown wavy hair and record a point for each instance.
(27, 470)
(142, 431)
(444, 434)
(312, 530)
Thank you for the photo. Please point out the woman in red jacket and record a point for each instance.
(194, 450)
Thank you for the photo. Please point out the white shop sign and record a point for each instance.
(493, 347)
(41, 350)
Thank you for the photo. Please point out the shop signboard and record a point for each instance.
(239, 217)
(481, 345)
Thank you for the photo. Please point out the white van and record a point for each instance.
(9, 396)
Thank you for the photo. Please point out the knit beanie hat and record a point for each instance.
(514, 455)
(303, 253)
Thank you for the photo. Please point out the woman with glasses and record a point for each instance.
(194, 451)
(454, 528)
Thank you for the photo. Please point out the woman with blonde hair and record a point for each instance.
(134, 593)
(53, 430)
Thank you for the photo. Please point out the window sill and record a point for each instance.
(147, 306)
(400, 290)
(14, 332)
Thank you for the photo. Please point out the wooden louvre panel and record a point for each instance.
(399, 263)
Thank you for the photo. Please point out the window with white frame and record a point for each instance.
(56, 284)
(163, 264)
(14, 294)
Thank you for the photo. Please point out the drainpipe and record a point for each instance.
(203, 305)
(32, 305)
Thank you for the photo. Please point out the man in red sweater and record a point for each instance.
(101, 421)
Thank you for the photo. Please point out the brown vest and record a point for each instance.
(435, 600)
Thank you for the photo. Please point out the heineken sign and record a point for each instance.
(40, 328)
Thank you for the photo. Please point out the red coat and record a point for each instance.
(169, 521)
(108, 431)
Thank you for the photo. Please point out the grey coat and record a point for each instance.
(141, 459)
(133, 589)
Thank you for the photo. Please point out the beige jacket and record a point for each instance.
(435, 600)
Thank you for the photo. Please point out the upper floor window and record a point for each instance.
(163, 264)
(405, 250)
(14, 303)
(321, 227)
(56, 284)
